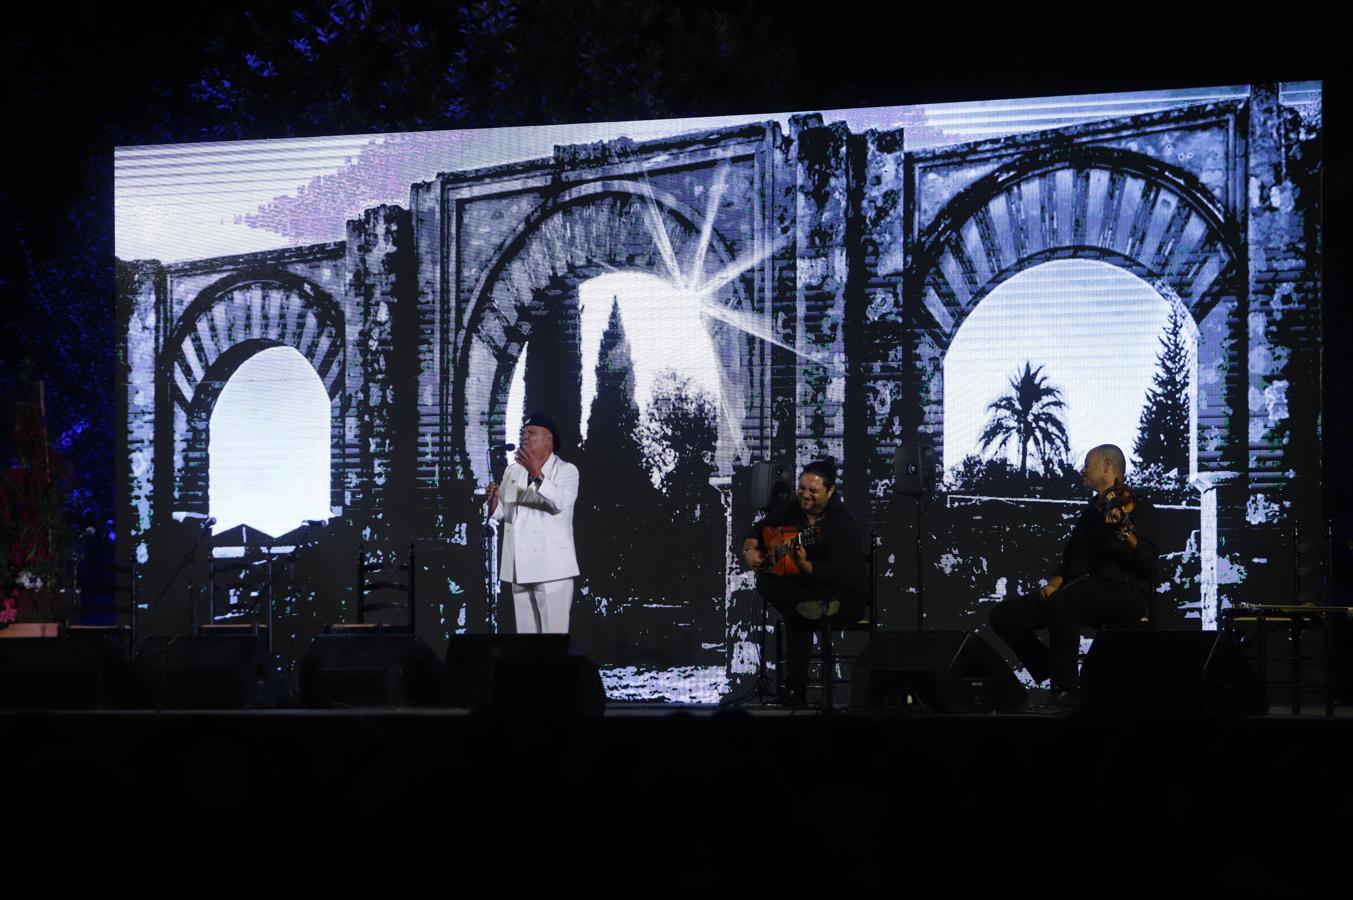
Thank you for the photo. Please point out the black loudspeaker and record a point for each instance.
(370, 670)
(207, 672)
(1168, 674)
(772, 483)
(914, 469)
(522, 673)
(87, 672)
(945, 671)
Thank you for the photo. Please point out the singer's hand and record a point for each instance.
(491, 497)
(528, 462)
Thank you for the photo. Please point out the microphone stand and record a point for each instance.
(922, 499)
(188, 560)
(290, 569)
(76, 559)
(273, 574)
(487, 547)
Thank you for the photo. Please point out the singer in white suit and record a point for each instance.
(535, 505)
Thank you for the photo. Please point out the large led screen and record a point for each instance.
(326, 342)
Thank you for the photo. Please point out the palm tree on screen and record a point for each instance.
(1029, 415)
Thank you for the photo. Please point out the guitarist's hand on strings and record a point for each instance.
(801, 557)
(1051, 587)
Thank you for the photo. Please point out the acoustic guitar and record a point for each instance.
(780, 542)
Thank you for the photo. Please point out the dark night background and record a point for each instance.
(81, 80)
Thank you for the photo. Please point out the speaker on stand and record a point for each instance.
(771, 484)
(914, 476)
(940, 671)
(522, 673)
(1168, 674)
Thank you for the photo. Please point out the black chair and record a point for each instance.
(379, 570)
(117, 582)
(255, 616)
(366, 663)
(1252, 622)
(1149, 621)
(829, 664)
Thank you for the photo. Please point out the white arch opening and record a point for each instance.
(268, 445)
(1093, 327)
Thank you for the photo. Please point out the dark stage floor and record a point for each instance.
(650, 799)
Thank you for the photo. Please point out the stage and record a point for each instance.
(260, 389)
(650, 798)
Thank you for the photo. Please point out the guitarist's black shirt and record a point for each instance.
(1095, 550)
(837, 554)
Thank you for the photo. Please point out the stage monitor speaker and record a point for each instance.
(1168, 674)
(772, 483)
(943, 671)
(207, 672)
(356, 669)
(913, 469)
(522, 673)
(86, 672)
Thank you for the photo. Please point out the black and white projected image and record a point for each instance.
(325, 343)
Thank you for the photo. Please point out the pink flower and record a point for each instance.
(10, 613)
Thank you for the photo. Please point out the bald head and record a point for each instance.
(1104, 465)
(1113, 456)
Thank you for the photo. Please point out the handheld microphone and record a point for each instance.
(497, 448)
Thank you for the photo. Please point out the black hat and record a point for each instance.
(543, 421)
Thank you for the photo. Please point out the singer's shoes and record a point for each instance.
(813, 610)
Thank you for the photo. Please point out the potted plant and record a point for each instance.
(33, 532)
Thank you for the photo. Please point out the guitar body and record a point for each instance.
(780, 542)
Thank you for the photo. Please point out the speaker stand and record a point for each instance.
(761, 689)
(922, 499)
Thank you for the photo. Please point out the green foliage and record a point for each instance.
(1163, 431)
(649, 527)
(34, 534)
(1028, 417)
(998, 477)
(1162, 485)
(616, 500)
(350, 66)
(682, 432)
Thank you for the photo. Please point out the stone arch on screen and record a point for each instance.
(226, 324)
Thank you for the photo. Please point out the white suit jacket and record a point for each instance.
(538, 523)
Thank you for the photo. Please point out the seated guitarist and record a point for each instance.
(830, 583)
(1105, 578)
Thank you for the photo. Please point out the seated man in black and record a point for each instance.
(831, 584)
(1106, 578)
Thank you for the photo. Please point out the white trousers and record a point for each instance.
(542, 607)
